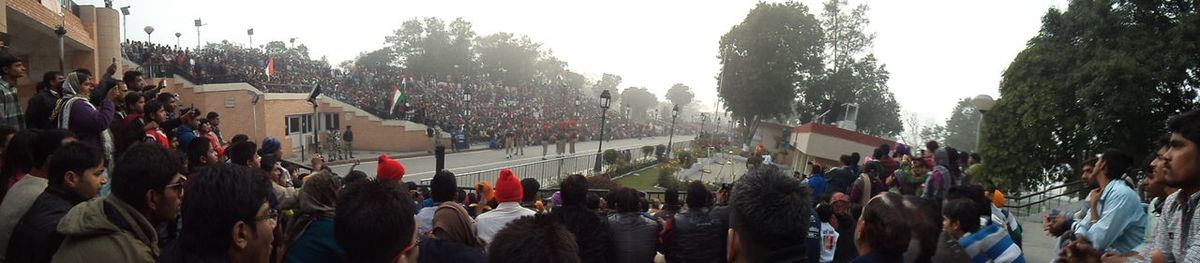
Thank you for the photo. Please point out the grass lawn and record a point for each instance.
(643, 181)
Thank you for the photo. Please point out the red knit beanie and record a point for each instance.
(508, 187)
(389, 168)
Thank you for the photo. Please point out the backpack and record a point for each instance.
(870, 189)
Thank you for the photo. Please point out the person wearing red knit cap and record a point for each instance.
(508, 194)
(389, 168)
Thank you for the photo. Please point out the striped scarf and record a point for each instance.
(991, 244)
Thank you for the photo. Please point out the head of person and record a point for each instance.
(443, 186)
(239, 138)
(623, 200)
(879, 154)
(154, 111)
(975, 193)
(354, 177)
(531, 187)
(534, 239)
(1113, 164)
(1155, 181)
(764, 208)
(204, 125)
(925, 225)
(46, 144)
(1086, 175)
(845, 159)
(698, 196)
(959, 217)
(200, 152)
(213, 118)
(374, 222)
(671, 197)
(168, 100)
(81, 82)
(269, 164)
(574, 190)
(78, 167)
(109, 86)
(134, 79)
(270, 146)
(11, 67)
(452, 222)
(920, 167)
(824, 212)
(974, 158)
(226, 213)
(18, 154)
(147, 178)
(931, 146)
(244, 153)
(882, 224)
(134, 102)
(508, 187)
(52, 80)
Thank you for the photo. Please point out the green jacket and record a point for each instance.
(106, 230)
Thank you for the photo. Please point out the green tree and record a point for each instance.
(639, 99)
(608, 82)
(509, 59)
(275, 48)
(1101, 74)
(852, 74)
(963, 126)
(426, 47)
(766, 59)
(680, 94)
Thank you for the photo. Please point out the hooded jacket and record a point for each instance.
(106, 230)
(635, 237)
(698, 235)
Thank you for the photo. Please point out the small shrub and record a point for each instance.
(660, 150)
(647, 150)
(611, 157)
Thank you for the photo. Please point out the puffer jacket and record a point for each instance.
(635, 237)
(106, 230)
(697, 236)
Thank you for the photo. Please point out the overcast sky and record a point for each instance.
(937, 51)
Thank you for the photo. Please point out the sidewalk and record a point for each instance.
(369, 156)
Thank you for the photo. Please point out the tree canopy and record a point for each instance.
(680, 94)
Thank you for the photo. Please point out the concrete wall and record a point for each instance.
(268, 117)
(91, 42)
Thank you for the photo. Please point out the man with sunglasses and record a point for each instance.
(146, 192)
(226, 217)
(374, 223)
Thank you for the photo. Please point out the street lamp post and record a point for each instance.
(250, 33)
(149, 30)
(124, 23)
(982, 103)
(61, 31)
(703, 120)
(177, 35)
(605, 98)
(576, 107)
(671, 137)
(198, 25)
(467, 115)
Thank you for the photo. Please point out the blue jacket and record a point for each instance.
(1122, 222)
(817, 183)
(316, 244)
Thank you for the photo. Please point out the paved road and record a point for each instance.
(419, 168)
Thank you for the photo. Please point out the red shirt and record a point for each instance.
(159, 137)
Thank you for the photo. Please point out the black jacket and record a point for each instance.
(348, 136)
(437, 250)
(635, 237)
(37, 113)
(697, 236)
(591, 231)
(839, 179)
(175, 253)
(36, 237)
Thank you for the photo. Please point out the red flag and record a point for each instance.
(270, 67)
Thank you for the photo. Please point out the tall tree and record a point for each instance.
(852, 75)
(426, 47)
(680, 94)
(608, 82)
(639, 100)
(765, 59)
(962, 128)
(1102, 74)
(509, 59)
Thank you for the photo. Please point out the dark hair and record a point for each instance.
(887, 148)
(354, 177)
(151, 107)
(73, 157)
(220, 196)
(241, 152)
(1117, 163)
(698, 195)
(442, 186)
(1090, 162)
(534, 239)
(855, 158)
(131, 76)
(7, 59)
(845, 159)
(212, 115)
(48, 78)
(926, 225)
(975, 156)
(46, 143)
(885, 226)
(574, 190)
(374, 221)
(973, 193)
(671, 197)
(197, 149)
(1186, 125)
(239, 138)
(824, 212)
(963, 211)
(18, 156)
(623, 199)
(765, 207)
(83, 73)
(932, 146)
(879, 153)
(165, 97)
(531, 187)
(132, 98)
(142, 168)
(593, 201)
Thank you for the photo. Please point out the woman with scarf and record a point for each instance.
(89, 120)
(452, 238)
(310, 236)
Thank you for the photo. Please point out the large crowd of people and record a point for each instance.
(542, 111)
(101, 169)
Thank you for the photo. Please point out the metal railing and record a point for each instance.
(545, 193)
(1053, 197)
(550, 172)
